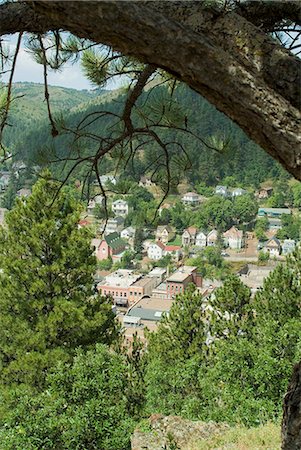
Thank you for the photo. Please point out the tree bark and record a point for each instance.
(223, 56)
(291, 422)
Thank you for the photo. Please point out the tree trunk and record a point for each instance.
(224, 57)
(291, 422)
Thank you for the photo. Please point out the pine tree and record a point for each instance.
(47, 303)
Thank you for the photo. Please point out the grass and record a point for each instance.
(264, 437)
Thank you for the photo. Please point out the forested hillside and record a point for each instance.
(236, 155)
(29, 107)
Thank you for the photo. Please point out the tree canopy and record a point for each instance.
(223, 50)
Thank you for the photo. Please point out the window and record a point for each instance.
(125, 294)
(120, 294)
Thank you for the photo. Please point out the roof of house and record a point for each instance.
(191, 194)
(273, 242)
(233, 232)
(221, 188)
(289, 243)
(192, 230)
(171, 248)
(160, 244)
(96, 242)
(274, 210)
(119, 202)
(212, 232)
(161, 228)
(114, 240)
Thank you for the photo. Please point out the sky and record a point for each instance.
(28, 70)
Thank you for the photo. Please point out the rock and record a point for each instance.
(172, 432)
(291, 422)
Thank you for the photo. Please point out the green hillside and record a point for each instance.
(30, 139)
(29, 107)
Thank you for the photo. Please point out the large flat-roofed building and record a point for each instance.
(117, 285)
(141, 287)
(146, 313)
(126, 287)
(179, 280)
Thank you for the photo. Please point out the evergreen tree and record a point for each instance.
(47, 303)
(85, 406)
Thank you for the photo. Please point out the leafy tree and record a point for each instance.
(245, 208)
(261, 226)
(263, 256)
(46, 296)
(291, 227)
(296, 189)
(105, 264)
(85, 406)
(126, 261)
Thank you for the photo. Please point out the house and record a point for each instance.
(120, 208)
(165, 233)
(221, 190)
(274, 216)
(212, 238)
(201, 239)
(273, 213)
(4, 180)
(146, 244)
(191, 198)
(128, 233)
(83, 223)
(156, 250)
(97, 200)
(114, 225)
(189, 236)
(104, 179)
(145, 182)
(2, 216)
(272, 246)
(233, 238)
(111, 245)
(23, 192)
(238, 191)
(264, 193)
(173, 250)
(288, 246)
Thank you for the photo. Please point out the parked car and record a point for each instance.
(225, 254)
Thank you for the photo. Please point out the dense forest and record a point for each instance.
(213, 149)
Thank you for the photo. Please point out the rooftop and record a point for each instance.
(121, 278)
(142, 282)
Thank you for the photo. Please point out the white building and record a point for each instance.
(288, 246)
(120, 208)
(233, 238)
(113, 225)
(128, 233)
(212, 238)
(201, 239)
(156, 251)
(238, 191)
(221, 190)
(191, 198)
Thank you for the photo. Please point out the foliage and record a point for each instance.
(290, 227)
(105, 264)
(46, 296)
(261, 226)
(84, 406)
